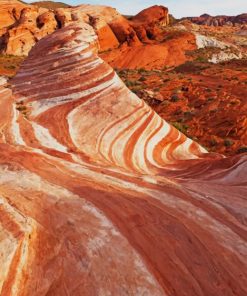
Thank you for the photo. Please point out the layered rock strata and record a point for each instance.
(100, 196)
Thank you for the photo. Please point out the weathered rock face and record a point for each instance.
(149, 22)
(111, 27)
(135, 43)
(99, 195)
(155, 55)
(10, 12)
(34, 23)
(220, 20)
(153, 15)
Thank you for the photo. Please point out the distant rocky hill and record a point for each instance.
(50, 4)
(220, 20)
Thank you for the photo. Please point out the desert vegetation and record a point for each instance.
(201, 99)
(9, 64)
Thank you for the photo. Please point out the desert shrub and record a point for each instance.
(165, 103)
(136, 88)
(21, 108)
(177, 112)
(11, 67)
(181, 127)
(242, 149)
(201, 59)
(131, 83)
(234, 102)
(174, 98)
(227, 143)
(210, 99)
(190, 67)
(185, 88)
(213, 142)
(142, 78)
(141, 70)
(165, 68)
(213, 111)
(188, 113)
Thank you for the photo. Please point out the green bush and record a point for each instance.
(141, 70)
(210, 99)
(174, 98)
(213, 142)
(131, 83)
(21, 108)
(228, 143)
(181, 127)
(188, 113)
(142, 78)
(242, 150)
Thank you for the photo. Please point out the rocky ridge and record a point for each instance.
(220, 20)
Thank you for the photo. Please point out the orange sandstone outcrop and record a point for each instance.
(34, 23)
(100, 196)
(150, 22)
(111, 27)
(170, 52)
(10, 12)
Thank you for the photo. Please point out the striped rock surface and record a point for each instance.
(100, 196)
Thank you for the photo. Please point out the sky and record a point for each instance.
(179, 8)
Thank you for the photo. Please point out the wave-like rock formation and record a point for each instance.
(100, 196)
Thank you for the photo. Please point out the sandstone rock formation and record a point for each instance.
(152, 20)
(10, 12)
(157, 55)
(111, 27)
(149, 22)
(100, 196)
(33, 24)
